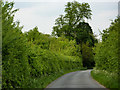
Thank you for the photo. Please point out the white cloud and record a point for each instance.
(42, 16)
(102, 20)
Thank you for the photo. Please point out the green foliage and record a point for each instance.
(106, 57)
(75, 13)
(84, 34)
(109, 80)
(64, 46)
(15, 64)
(45, 62)
(31, 55)
(59, 54)
(72, 26)
(87, 56)
(38, 38)
(59, 45)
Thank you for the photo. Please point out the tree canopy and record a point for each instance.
(75, 13)
(72, 25)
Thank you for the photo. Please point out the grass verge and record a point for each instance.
(44, 81)
(109, 80)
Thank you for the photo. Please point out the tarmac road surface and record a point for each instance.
(78, 79)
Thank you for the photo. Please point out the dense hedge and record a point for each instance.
(45, 62)
(32, 54)
(106, 57)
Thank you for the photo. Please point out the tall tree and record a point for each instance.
(75, 13)
(72, 25)
(84, 33)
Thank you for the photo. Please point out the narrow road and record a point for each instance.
(78, 79)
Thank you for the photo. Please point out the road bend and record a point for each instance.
(78, 79)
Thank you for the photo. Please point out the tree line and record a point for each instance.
(31, 55)
(72, 45)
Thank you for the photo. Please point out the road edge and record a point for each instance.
(97, 81)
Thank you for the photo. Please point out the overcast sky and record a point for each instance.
(42, 13)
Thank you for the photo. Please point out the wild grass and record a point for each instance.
(109, 80)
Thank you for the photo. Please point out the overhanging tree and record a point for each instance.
(75, 13)
(72, 25)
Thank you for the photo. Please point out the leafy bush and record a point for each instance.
(64, 46)
(45, 62)
(32, 54)
(106, 57)
(15, 67)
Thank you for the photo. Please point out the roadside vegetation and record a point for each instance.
(109, 80)
(33, 59)
(107, 59)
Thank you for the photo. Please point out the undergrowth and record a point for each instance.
(109, 80)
